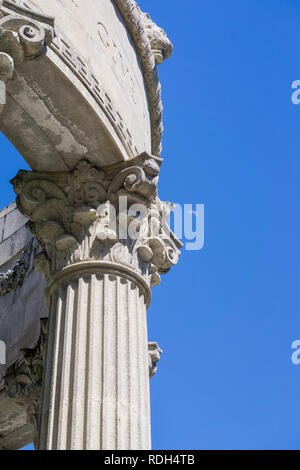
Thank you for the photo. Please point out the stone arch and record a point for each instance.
(69, 97)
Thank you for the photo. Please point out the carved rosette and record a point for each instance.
(112, 216)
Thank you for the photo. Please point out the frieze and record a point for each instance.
(83, 71)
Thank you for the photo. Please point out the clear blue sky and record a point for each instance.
(226, 316)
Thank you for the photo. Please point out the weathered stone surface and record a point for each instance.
(103, 55)
(6, 74)
(83, 106)
(21, 306)
(22, 383)
(13, 222)
(21, 309)
(15, 431)
(99, 279)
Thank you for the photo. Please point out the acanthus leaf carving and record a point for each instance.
(137, 179)
(77, 217)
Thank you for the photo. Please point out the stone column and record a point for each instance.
(97, 361)
(105, 244)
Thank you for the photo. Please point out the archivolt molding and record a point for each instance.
(153, 47)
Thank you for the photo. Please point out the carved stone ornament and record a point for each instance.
(153, 47)
(161, 46)
(14, 277)
(24, 34)
(151, 42)
(154, 357)
(22, 381)
(111, 215)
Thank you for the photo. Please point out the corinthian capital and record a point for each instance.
(112, 216)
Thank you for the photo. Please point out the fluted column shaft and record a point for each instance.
(96, 385)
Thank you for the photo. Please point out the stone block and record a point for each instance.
(14, 220)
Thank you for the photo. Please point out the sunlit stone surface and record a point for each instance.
(80, 100)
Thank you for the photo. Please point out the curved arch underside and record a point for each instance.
(53, 123)
(94, 94)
